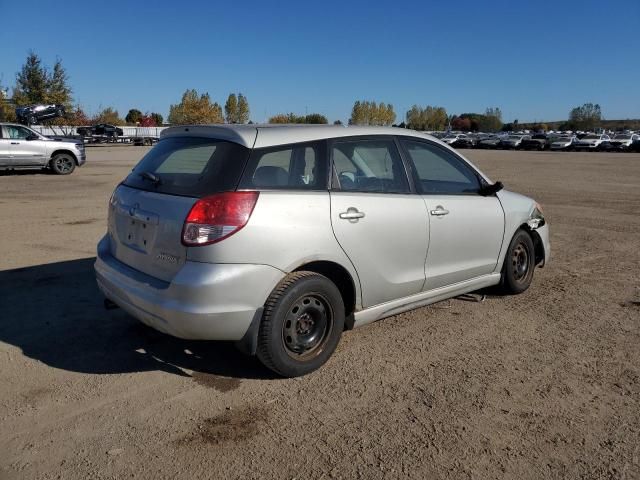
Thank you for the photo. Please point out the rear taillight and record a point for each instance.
(214, 218)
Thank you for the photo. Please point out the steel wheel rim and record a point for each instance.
(64, 165)
(307, 326)
(520, 262)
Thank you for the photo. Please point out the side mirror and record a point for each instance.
(487, 190)
(32, 137)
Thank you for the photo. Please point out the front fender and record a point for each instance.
(517, 211)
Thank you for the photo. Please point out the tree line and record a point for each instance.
(36, 83)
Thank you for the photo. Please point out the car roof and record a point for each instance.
(267, 135)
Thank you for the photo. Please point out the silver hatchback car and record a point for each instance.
(281, 237)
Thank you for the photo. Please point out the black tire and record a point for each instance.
(519, 264)
(62, 164)
(301, 325)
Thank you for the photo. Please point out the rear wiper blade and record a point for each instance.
(151, 177)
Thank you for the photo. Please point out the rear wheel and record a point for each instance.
(301, 326)
(519, 264)
(63, 164)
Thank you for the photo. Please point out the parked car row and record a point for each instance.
(543, 141)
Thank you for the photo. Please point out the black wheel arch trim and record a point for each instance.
(538, 246)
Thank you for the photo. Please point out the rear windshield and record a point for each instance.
(189, 166)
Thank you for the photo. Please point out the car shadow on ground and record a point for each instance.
(25, 171)
(54, 313)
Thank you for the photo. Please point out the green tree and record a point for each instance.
(58, 90)
(133, 116)
(236, 109)
(195, 109)
(280, 118)
(586, 117)
(316, 118)
(492, 121)
(107, 115)
(32, 82)
(370, 113)
(312, 118)
(427, 118)
(243, 109)
(157, 118)
(231, 109)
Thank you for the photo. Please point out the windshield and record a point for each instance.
(622, 137)
(189, 166)
(514, 137)
(592, 137)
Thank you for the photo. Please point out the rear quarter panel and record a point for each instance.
(286, 230)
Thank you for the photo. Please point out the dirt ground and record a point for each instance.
(541, 385)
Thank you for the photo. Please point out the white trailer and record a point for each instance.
(135, 135)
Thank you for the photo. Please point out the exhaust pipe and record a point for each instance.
(109, 305)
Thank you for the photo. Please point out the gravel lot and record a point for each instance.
(542, 385)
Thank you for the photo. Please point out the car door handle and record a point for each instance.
(352, 213)
(439, 211)
(15, 143)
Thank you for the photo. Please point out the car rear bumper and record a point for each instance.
(204, 301)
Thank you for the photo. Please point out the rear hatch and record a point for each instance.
(148, 210)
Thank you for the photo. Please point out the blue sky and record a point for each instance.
(534, 60)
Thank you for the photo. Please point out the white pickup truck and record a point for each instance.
(23, 148)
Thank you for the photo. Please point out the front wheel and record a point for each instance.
(63, 164)
(519, 264)
(301, 325)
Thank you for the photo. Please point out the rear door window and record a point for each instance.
(293, 167)
(189, 166)
(369, 166)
